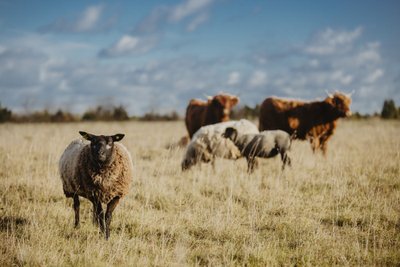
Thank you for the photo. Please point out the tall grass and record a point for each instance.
(339, 210)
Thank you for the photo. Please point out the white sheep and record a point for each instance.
(207, 143)
(99, 170)
(266, 144)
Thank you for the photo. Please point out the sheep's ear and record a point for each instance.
(86, 135)
(117, 137)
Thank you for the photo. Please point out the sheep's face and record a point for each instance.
(230, 133)
(194, 154)
(101, 146)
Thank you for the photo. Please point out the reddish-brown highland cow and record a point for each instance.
(314, 121)
(200, 113)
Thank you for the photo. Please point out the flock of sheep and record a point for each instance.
(100, 169)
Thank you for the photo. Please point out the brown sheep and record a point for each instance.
(100, 171)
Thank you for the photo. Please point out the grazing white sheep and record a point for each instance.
(266, 144)
(207, 143)
(99, 170)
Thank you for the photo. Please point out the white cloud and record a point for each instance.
(234, 78)
(374, 76)
(192, 13)
(369, 55)
(259, 78)
(196, 22)
(196, 11)
(330, 41)
(2, 49)
(314, 63)
(339, 76)
(89, 18)
(188, 8)
(128, 44)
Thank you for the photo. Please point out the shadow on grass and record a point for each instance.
(10, 222)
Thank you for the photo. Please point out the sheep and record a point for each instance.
(266, 144)
(207, 143)
(99, 170)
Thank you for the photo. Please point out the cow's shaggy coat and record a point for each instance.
(200, 113)
(315, 121)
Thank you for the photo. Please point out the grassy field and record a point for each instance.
(342, 210)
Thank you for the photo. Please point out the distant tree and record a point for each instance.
(246, 112)
(106, 114)
(89, 115)
(5, 114)
(120, 114)
(357, 115)
(61, 116)
(153, 116)
(389, 110)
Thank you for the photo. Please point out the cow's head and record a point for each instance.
(101, 146)
(221, 105)
(340, 103)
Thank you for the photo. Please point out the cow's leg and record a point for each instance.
(76, 210)
(314, 143)
(110, 208)
(324, 143)
(326, 136)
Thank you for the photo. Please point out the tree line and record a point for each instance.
(119, 113)
(99, 113)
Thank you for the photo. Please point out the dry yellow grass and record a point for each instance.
(343, 210)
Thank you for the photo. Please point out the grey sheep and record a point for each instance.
(207, 143)
(266, 144)
(99, 170)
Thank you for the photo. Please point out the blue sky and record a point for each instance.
(157, 55)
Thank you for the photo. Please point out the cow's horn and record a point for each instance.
(208, 97)
(330, 95)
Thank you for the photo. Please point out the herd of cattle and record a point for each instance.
(213, 135)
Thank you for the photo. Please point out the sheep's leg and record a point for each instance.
(76, 209)
(250, 164)
(285, 159)
(98, 213)
(213, 163)
(94, 218)
(110, 208)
